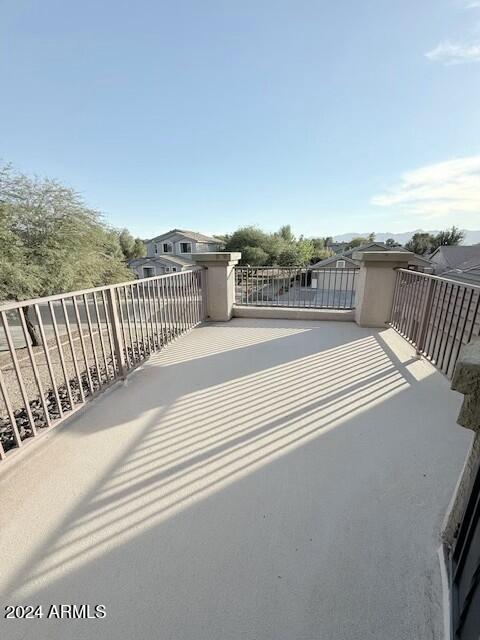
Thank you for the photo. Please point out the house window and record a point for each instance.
(174, 268)
(167, 247)
(148, 272)
(167, 269)
(340, 264)
(185, 247)
(156, 248)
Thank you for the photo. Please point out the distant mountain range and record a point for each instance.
(471, 236)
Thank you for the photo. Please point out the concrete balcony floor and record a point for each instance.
(258, 480)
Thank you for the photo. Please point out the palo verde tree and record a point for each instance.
(51, 242)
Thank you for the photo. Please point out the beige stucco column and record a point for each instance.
(220, 282)
(376, 284)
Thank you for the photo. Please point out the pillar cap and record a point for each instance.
(217, 257)
(383, 256)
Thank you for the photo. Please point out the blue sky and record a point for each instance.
(332, 116)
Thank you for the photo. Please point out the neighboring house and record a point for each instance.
(446, 258)
(330, 280)
(156, 266)
(179, 242)
(173, 251)
(468, 272)
(345, 260)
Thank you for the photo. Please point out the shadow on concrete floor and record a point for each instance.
(266, 479)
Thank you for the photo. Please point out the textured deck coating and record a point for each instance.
(258, 480)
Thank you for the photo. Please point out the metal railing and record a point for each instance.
(87, 340)
(295, 287)
(436, 315)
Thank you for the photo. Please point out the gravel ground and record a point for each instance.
(66, 381)
(106, 365)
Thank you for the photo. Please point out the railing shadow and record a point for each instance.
(218, 406)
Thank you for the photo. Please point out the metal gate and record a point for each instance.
(466, 572)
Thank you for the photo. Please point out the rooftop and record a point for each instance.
(455, 255)
(371, 246)
(254, 479)
(194, 235)
(468, 271)
(160, 259)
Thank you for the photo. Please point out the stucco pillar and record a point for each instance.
(220, 282)
(376, 284)
(466, 380)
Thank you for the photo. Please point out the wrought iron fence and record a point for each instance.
(59, 352)
(295, 287)
(436, 315)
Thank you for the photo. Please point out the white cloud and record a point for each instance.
(451, 187)
(451, 53)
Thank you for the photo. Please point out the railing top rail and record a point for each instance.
(441, 278)
(309, 268)
(16, 304)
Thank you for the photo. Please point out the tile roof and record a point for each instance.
(470, 276)
(457, 254)
(467, 272)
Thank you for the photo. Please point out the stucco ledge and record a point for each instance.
(220, 258)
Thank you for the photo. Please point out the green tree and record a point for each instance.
(17, 278)
(305, 251)
(274, 246)
(449, 237)
(420, 243)
(254, 256)
(286, 234)
(139, 248)
(131, 247)
(359, 241)
(297, 253)
(51, 242)
(245, 237)
(280, 247)
(320, 249)
(288, 257)
(391, 243)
